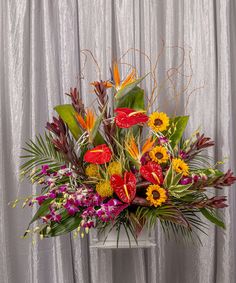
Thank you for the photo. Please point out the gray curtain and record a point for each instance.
(42, 54)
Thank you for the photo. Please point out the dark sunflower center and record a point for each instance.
(155, 195)
(158, 122)
(159, 155)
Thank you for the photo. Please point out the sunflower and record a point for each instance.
(114, 167)
(159, 154)
(104, 188)
(158, 121)
(92, 170)
(180, 166)
(156, 195)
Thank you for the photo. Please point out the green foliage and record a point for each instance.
(67, 114)
(95, 135)
(127, 89)
(134, 99)
(212, 217)
(176, 129)
(171, 182)
(38, 153)
(66, 225)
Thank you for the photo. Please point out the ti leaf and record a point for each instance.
(176, 129)
(67, 114)
(168, 178)
(211, 216)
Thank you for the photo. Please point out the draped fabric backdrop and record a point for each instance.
(42, 54)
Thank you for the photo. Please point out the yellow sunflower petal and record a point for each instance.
(159, 154)
(156, 195)
(158, 121)
(180, 166)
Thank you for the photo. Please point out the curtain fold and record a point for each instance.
(46, 47)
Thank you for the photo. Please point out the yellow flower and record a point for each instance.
(92, 170)
(156, 195)
(114, 167)
(104, 188)
(180, 166)
(159, 154)
(158, 121)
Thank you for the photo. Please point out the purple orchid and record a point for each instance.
(41, 199)
(71, 206)
(44, 170)
(186, 181)
(162, 140)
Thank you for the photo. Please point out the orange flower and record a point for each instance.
(132, 147)
(116, 76)
(148, 145)
(87, 123)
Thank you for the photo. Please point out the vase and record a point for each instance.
(108, 239)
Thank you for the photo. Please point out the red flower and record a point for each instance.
(124, 188)
(127, 117)
(98, 155)
(152, 172)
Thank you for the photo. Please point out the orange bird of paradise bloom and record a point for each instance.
(88, 122)
(118, 84)
(132, 147)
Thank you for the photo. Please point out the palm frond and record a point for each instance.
(38, 153)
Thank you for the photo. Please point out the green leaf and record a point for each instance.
(134, 99)
(66, 225)
(41, 152)
(211, 216)
(42, 211)
(124, 91)
(67, 114)
(177, 127)
(168, 178)
(176, 179)
(95, 134)
(209, 172)
(181, 188)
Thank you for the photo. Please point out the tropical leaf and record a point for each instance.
(211, 216)
(176, 129)
(127, 89)
(66, 225)
(95, 134)
(39, 153)
(68, 115)
(133, 99)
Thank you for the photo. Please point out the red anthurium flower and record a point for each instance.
(152, 172)
(125, 188)
(98, 155)
(127, 117)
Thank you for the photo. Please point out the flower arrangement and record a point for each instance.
(99, 171)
